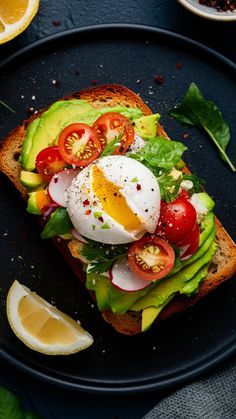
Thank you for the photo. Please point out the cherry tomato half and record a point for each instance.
(190, 244)
(79, 144)
(49, 161)
(111, 125)
(151, 258)
(177, 219)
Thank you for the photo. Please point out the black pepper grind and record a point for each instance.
(220, 5)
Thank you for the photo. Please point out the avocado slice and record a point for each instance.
(162, 291)
(26, 146)
(102, 293)
(205, 200)
(150, 314)
(37, 200)
(48, 127)
(30, 179)
(146, 126)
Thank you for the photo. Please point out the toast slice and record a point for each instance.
(223, 265)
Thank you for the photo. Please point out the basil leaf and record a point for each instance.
(58, 224)
(195, 110)
(161, 153)
(10, 407)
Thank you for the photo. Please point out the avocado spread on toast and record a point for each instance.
(185, 276)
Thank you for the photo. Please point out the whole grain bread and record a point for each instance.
(223, 265)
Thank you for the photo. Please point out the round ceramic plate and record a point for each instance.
(191, 342)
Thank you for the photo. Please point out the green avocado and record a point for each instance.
(26, 146)
(120, 301)
(146, 126)
(205, 200)
(174, 284)
(46, 129)
(30, 179)
(150, 314)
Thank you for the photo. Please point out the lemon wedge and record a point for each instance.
(15, 17)
(41, 326)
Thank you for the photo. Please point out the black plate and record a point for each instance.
(193, 341)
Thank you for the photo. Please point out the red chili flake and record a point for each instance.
(178, 66)
(101, 219)
(138, 187)
(56, 22)
(94, 81)
(86, 203)
(159, 78)
(87, 212)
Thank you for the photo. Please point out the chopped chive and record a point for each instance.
(105, 227)
(6, 106)
(97, 214)
(93, 227)
(135, 179)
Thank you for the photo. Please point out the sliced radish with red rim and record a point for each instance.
(125, 279)
(60, 184)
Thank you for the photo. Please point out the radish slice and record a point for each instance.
(137, 144)
(122, 277)
(59, 185)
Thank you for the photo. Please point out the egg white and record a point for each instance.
(137, 184)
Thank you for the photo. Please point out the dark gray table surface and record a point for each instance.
(55, 16)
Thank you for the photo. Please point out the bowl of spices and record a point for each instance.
(221, 10)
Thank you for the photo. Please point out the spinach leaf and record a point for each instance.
(161, 153)
(58, 224)
(196, 110)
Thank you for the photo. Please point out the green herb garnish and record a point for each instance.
(198, 183)
(112, 145)
(6, 106)
(102, 256)
(169, 187)
(195, 110)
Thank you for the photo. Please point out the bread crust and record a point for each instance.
(223, 265)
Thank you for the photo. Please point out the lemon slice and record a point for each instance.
(15, 17)
(41, 326)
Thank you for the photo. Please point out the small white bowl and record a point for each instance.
(208, 12)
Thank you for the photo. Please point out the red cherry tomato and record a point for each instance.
(111, 125)
(79, 144)
(48, 162)
(189, 245)
(151, 258)
(177, 219)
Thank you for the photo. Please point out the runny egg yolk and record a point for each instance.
(113, 202)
